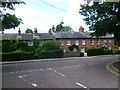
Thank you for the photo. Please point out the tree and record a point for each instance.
(67, 29)
(9, 21)
(59, 27)
(50, 45)
(103, 18)
(29, 31)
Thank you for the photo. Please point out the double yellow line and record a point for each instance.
(112, 69)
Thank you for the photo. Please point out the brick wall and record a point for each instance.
(87, 43)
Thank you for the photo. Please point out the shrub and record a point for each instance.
(50, 45)
(58, 53)
(116, 52)
(95, 51)
(108, 51)
(9, 45)
(15, 56)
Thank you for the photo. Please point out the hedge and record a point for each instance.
(51, 54)
(16, 56)
(95, 51)
(108, 51)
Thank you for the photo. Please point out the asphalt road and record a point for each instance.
(78, 72)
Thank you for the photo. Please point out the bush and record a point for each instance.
(58, 53)
(108, 51)
(94, 51)
(15, 56)
(50, 45)
(116, 52)
(9, 45)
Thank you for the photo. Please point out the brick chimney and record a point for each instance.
(81, 29)
(35, 35)
(19, 32)
(35, 32)
(53, 28)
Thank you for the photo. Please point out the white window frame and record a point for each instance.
(76, 42)
(82, 49)
(83, 42)
(98, 42)
(105, 41)
(68, 42)
(92, 42)
(30, 43)
(110, 41)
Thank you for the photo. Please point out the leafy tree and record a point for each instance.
(59, 27)
(9, 21)
(103, 18)
(50, 45)
(67, 29)
(29, 31)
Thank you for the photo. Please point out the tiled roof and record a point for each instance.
(25, 36)
(47, 36)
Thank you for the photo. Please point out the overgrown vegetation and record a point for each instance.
(101, 51)
(14, 50)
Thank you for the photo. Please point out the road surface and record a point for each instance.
(77, 72)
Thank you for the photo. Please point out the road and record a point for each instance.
(77, 72)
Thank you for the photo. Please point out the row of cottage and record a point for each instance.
(69, 41)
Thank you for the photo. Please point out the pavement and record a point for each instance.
(78, 72)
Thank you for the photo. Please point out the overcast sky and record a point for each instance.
(39, 14)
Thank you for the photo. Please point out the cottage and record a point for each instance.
(69, 41)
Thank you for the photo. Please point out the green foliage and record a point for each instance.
(29, 31)
(16, 56)
(67, 29)
(103, 17)
(49, 49)
(59, 27)
(94, 51)
(22, 45)
(58, 53)
(50, 45)
(10, 5)
(9, 45)
(108, 51)
(10, 21)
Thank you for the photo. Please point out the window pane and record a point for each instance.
(110, 41)
(77, 42)
(83, 42)
(68, 42)
(82, 50)
(30, 43)
(105, 41)
(92, 42)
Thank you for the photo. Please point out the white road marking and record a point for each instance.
(59, 73)
(82, 85)
(12, 72)
(20, 76)
(41, 69)
(34, 85)
(49, 68)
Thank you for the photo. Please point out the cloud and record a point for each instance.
(44, 19)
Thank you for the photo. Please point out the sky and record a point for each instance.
(41, 15)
